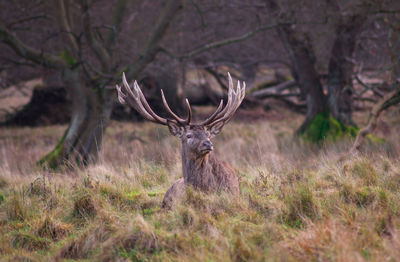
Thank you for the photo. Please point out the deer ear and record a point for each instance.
(175, 129)
(216, 128)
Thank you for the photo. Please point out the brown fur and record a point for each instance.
(201, 170)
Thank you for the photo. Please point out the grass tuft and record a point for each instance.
(29, 242)
(364, 169)
(53, 230)
(84, 207)
(16, 210)
(301, 205)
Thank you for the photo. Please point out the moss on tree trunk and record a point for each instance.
(52, 159)
(325, 127)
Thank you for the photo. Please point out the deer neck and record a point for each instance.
(197, 170)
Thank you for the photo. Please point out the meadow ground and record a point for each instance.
(297, 203)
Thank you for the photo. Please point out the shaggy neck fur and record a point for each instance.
(197, 170)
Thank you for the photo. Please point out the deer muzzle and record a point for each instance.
(206, 146)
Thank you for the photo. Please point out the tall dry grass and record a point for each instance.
(297, 203)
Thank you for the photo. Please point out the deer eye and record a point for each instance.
(189, 136)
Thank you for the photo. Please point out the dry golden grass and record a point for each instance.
(296, 204)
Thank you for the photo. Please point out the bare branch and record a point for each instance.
(29, 53)
(152, 47)
(388, 100)
(367, 88)
(26, 19)
(97, 48)
(216, 77)
(19, 63)
(228, 41)
(66, 26)
(278, 88)
(197, 7)
(276, 95)
(118, 15)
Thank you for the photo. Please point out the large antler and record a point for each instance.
(235, 98)
(136, 99)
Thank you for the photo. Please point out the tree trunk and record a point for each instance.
(303, 70)
(340, 75)
(91, 110)
(394, 48)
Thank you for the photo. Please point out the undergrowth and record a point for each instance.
(296, 202)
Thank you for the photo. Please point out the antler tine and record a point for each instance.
(212, 117)
(140, 102)
(175, 116)
(189, 118)
(235, 98)
(136, 101)
(231, 96)
(147, 106)
(121, 96)
(239, 99)
(221, 111)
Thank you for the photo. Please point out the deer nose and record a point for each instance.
(207, 145)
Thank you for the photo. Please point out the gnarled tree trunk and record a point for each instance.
(303, 70)
(91, 110)
(340, 75)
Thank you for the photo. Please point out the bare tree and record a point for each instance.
(89, 64)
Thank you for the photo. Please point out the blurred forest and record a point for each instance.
(60, 61)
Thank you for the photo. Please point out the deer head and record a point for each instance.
(195, 137)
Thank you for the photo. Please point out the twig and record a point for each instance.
(223, 42)
(387, 101)
(22, 20)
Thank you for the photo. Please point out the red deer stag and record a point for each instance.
(200, 168)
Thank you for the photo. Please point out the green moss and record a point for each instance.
(52, 159)
(2, 198)
(71, 61)
(325, 127)
(375, 140)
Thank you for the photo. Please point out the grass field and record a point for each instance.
(297, 203)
